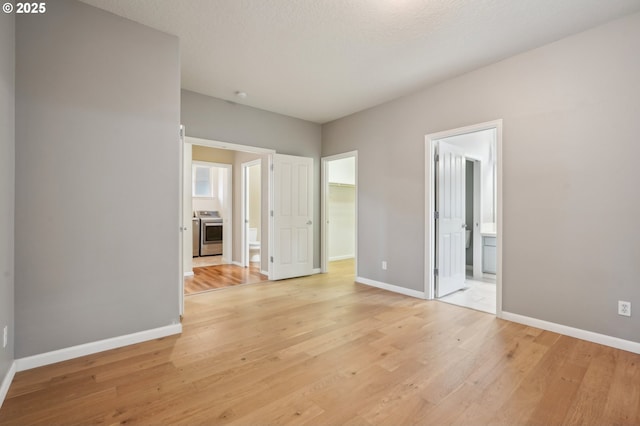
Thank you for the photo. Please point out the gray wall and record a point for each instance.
(7, 185)
(95, 95)
(215, 119)
(571, 209)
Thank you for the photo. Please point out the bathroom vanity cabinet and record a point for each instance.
(489, 254)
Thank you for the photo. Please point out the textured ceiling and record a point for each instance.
(323, 59)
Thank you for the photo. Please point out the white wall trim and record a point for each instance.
(315, 271)
(59, 355)
(590, 336)
(6, 382)
(265, 273)
(237, 264)
(227, 145)
(344, 257)
(188, 274)
(391, 287)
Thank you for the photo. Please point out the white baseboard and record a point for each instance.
(6, 382)
(188, 274)
(391, 287)
(237, 264)
(345, 257)
(590, 336)
(315, 271)
(59, 355)
(265, 273)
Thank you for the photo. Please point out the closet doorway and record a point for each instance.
(340, 213)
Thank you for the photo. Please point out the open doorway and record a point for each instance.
(339, 212)
(464, 216)
(252, 214)
(213, 211)
(212, 206)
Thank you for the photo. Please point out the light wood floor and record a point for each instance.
(220, 276)
(322, 350)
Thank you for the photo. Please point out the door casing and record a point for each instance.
(430, 204)
(232, 147)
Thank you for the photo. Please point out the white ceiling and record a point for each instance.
(323, 59)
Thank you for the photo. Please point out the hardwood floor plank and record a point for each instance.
(324, 350)
(207, 278)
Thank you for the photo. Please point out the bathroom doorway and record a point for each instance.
(339, 213)
(463, 217)
(252, 214)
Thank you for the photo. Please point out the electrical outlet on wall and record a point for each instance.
(5, 336)
(624, 308)
(384, 265)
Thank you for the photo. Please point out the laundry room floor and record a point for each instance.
(215, 277)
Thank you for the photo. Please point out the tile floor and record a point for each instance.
(478, 295)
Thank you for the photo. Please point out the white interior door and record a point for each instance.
(450, 225)
(292, 254)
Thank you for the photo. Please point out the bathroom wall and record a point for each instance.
(481, 146)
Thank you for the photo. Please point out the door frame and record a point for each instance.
(184, 229)
(324, 214)
(244, 259)
(232, 147)
(430, 204)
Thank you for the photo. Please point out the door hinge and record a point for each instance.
(437, 157)
(271, 167)
(435, 272)
(181, 132)
(271, 213)
(436, 215)
(271, 259)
